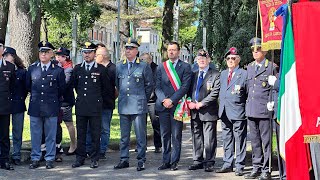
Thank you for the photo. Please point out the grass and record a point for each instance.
(114, 128)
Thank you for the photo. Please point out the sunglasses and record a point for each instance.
(255, 49)
(233, 58)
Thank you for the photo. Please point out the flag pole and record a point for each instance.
(271, 112)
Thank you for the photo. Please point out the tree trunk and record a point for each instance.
(4, 8)
(167, 25)
(25, 29)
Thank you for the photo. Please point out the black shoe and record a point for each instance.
(77, 164)
(209, 168)
(252, 175)
(224, 170)
(140, 166)
(265, 176)
(157, 150)
(174, 167)
(34, 165)
(239, 172)
(195, 166)
(7, 166)
(94, 164)
(102, 156)
(49, 165)
(164, 166)
(16, 162)
(121, 165)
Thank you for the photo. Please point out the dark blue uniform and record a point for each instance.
(7, 78)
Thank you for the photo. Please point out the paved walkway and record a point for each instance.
(105, 171)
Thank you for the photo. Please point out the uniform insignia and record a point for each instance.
(237, 89)
(44, 43)
(139, 40)
(7, 79)
(137, 80)
(87, 44)
(129, 40)
(264, 84)
(209, 85)
(94, 80)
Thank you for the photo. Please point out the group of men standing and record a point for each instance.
(232, 96)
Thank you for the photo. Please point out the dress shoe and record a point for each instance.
(140, 166)
(265, 176)
(174, 167)
(224, 170)
(157, 150)
(102, 156)
(121, 165)
(94, 164)
(252, 175)
(49, 165)
(34, 165)
(209, 168)
(195, 166)
(16, 162)
(239, 172)
(7, 166)
(77, 164)
(164, 166)
(58, 158)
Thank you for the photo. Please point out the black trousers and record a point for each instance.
(95, 126)
(155, 125)
(4, 138)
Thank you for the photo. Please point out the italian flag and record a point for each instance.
(292, 147)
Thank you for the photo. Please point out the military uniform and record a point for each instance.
(134, 81)
(92, 88)
(46, 84)
(7, 79)
(258, 115)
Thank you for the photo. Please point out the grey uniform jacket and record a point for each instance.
(232, 97)
(135, 87)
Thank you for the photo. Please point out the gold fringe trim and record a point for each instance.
(271, 45)
(312, 138)
(183, 119)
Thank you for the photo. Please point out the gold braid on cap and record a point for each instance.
(87, 44)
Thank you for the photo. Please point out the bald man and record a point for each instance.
(102, 57)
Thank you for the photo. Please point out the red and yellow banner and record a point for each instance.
(271, 27)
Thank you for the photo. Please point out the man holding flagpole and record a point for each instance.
(172, 84)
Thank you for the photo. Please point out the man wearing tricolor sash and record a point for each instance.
(204, 92)
(172, 84)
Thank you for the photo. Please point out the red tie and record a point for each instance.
(230, 76)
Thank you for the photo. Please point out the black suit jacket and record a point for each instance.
(7, 79)
(164, 88)
(208, 95)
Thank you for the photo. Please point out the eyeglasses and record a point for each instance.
(253, 49)
(233, 58)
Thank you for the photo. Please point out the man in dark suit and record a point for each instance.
(204, 92)
(232, 98)
(7, 80)
(168, 96)
(151, 105)
(46, 84)
(92, 85)
(256, 110)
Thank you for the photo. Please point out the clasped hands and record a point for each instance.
(196, 105)
(167, 103)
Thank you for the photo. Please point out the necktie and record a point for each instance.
(200, 79)
(130, 66)
(257, 68)
(230, 76)
(44, 68)
(88, 67)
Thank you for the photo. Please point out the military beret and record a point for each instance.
(45, 46)
(63, 51)
(9, 50)
(89, 46)
(131, 42)
(203, 53)
(231, 51)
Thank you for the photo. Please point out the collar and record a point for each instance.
(205, 70)
(93, 63)
(3, 62)
(47, 65)
(136, 60)
(235, 69)
(132, 61)
(261, 63)
(175, 61)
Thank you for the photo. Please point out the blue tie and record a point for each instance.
(200, 79)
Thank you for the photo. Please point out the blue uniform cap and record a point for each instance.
(45, 46)
(89, 47)
(131, 42)
(9, 50)
(63, 51)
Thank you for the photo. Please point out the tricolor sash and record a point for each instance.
(182, 112)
